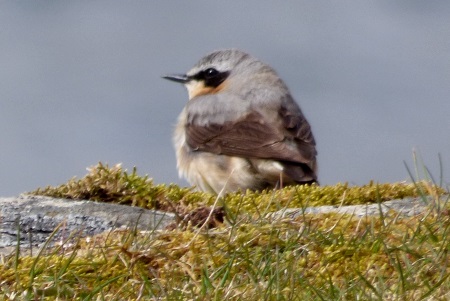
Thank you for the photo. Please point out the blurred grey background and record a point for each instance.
(80, 82)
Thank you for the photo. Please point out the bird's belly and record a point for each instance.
(217, 173)
(220, 173)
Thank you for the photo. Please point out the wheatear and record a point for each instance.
(241, 128)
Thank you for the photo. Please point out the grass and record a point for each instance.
(248, 256)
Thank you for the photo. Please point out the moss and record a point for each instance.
(113, 184)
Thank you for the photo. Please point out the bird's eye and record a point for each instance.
(211, 77)
(210, 72)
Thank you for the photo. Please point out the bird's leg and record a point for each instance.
(281, 180)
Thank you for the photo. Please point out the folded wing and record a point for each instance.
(286, 138)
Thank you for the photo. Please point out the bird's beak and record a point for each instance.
(179, 78)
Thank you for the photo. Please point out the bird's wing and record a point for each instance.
(289, 138)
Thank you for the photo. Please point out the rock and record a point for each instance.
(402, 207)
(31, 220)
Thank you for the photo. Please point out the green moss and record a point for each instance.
(113, 184)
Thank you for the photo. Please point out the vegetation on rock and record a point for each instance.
(247, 256)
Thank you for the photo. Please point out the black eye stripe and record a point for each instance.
(211, 77)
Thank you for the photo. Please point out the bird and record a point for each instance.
(241, 129)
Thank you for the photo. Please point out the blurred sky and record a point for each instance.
(80, 82)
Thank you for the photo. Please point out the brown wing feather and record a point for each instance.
(252, 137)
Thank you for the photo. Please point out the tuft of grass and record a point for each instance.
(311, 257)
(114, 184)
